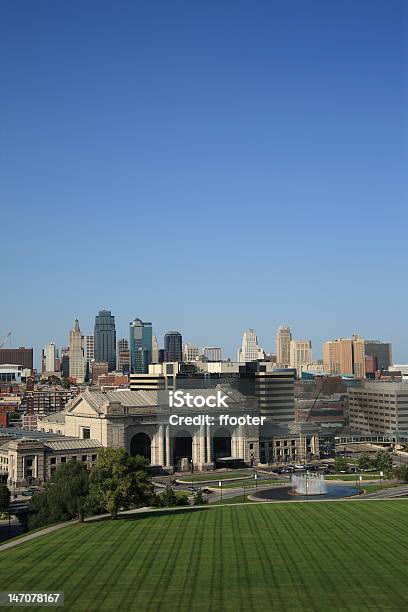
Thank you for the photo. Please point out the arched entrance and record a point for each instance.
(182, 447)
(221, 443)
(140, 445)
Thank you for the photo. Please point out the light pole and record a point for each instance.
(220, 485)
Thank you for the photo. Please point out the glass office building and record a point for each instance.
(105, 339)
(140, 344)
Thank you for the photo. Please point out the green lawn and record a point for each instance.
(328, 556)
(209, 476)
(239, 484)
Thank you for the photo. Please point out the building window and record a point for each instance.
(84, 457)
(53, 460)
(94, 457)
(63, 459)
(85, 433)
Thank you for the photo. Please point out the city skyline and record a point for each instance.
(122, 331)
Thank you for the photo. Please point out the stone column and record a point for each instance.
(168, 447)
(153, 449)
(161, 446)
(241, 443)
(202, 447)
(195, 449)
(209, 445)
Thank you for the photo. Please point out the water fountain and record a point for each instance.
(309, 484)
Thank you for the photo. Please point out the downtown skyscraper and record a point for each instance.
(283, 339)
(140, 345)
(76, 354)
(105, 339)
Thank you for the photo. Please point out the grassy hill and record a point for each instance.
(321, 556)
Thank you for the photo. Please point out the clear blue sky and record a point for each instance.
(207, 166)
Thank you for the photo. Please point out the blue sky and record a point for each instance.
(206, 166)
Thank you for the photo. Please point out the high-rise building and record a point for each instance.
(381, 351)
(190, 352)
(212, 353)
(300, 354)
(250, 349)
(173, 346)
(65, 362)
(155, 350)
(140, 344)
(105, 338)
(89, 349)
(123, 355)
(344, 356)
(76, 354)
(283, 339)
(17, 356)
(50, 355)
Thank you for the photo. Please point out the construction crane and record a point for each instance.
(3, 342)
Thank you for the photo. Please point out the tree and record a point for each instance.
(69, 489)
(169, 499)
(383, 461)
(64, 498)
(65, 383)
(340, 464)
(365, 462)
(4, 498)
(118, 480)
(199, 499)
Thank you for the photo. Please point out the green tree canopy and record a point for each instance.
(340, 463)
(69, 488)
(118, 480)
(365, 462)
(383, 461)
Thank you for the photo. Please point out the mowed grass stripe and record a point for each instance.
(297, 564)
(193, 588)
(147, 537)
(362, 550)
(262, 578)
(226, 559)
(162, 576)
(326, 529)
(305, 532)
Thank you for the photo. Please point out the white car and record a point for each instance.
(299, 467)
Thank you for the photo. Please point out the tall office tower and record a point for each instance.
(300, 353)
(283, 338)
(89, 349)
(250, 349)
(76, 354)
(155, 350)
(65, 362)
(122, 355)
(140, 344)
(50, 354)
(105, 338)
(382, 351)
(212, 353)
(344, 356)
(190, 352)
(173, 346)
